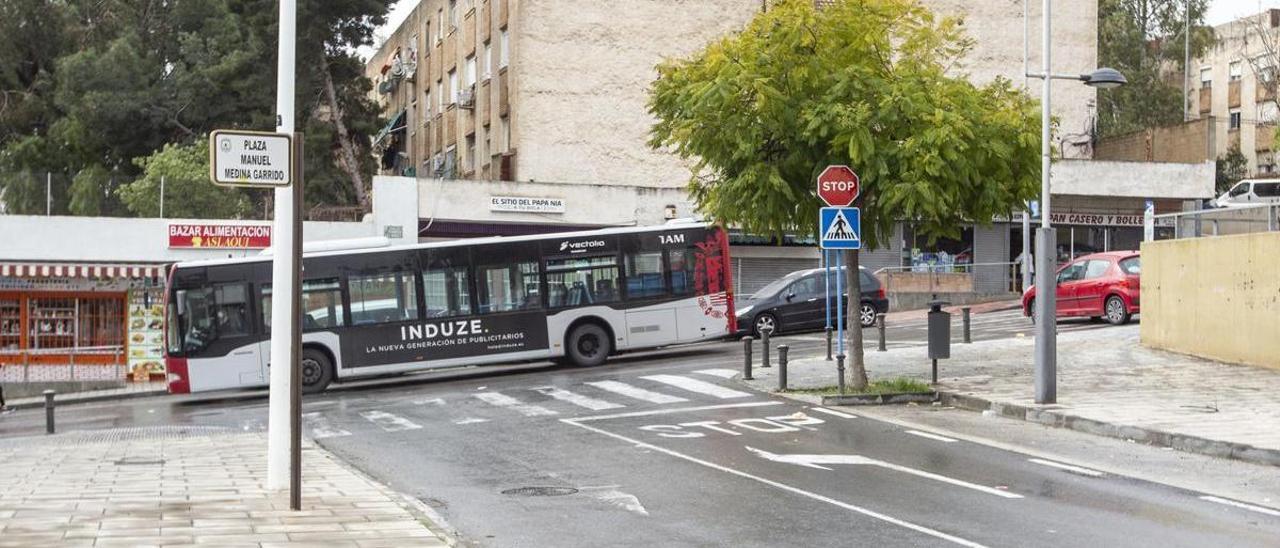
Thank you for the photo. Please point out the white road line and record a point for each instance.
(577, 399)
(722, 373)
(834, 413)
(695, 385)
(676, 410)
(943, 439)
(470, 420)
(1249, 507)
(1068, 467)
(321, 427)
(389, 422)
(502, 400)
(864, 511)
(634, 392)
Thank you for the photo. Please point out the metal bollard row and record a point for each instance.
(840, 372)
(782, 366)
(764, 349)
(746, 359)
(48, 411)
(965, 315)
(828, 343)
(880, 327)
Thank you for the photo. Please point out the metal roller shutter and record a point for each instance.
(750, 274)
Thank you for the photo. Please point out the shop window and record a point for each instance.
(582, 281)
(447, 291)
(644, 275)
(10, 325)
(506, 287)
(382, 298)
(919, 254)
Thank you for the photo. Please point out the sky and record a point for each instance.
(1220, 11)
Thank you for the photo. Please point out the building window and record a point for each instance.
(1268, 112)
(440, 17)
(472, 164)
(469, 70)
(504, 49)
(1235, 71)
(484, 145)
(426, 106)
(504, 138)
(453, 86)
(1206, 77)
(440, 95)
(486, 60)
(450, 162)
(426, 34)
(453, 15)
(1235, 118)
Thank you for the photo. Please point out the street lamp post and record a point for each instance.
(1046, 374)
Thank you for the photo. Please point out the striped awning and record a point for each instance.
(81, 270)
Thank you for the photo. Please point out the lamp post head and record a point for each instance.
(1105, 78)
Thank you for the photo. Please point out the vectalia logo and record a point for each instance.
(579, 247)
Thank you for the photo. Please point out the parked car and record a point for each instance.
(795, 303)
(1102, 285)
(1250, 191)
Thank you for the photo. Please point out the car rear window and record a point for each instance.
(1132, 266)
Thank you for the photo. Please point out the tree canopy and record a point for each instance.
(89, 87)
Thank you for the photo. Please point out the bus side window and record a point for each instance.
(682, 263)
(446, 291)
(508, 287)
(644, 275)
(232, 315)
(382, 298)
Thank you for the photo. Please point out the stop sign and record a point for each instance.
(838, 186)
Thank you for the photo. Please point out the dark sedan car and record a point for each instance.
(795, 303)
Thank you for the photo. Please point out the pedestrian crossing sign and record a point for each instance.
(840, 228)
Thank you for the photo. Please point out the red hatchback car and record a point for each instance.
(1101, 285)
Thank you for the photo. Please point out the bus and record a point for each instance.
(574, 297)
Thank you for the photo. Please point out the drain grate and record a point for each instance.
(540, 491)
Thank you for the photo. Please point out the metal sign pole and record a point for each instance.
(839, 307)
(295, 338)
(826, 265)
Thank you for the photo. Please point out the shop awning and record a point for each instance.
(396, 124)
(81, 270)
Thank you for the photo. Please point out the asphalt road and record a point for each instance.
(664, 449)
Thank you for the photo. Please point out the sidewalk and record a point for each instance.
(192, 485)
(1108, 384)
(129, 390)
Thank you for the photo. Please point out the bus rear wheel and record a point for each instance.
(588, 345)
(317, 371)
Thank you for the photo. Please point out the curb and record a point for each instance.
(90, 399)
(881, 399)
(1182, 442)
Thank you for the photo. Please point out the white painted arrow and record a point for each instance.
(815, 461)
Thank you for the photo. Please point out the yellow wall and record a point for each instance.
(1217, 297)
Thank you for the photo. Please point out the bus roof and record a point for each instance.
(457, 242)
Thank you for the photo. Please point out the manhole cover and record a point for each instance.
(127, 461)
(540, 491)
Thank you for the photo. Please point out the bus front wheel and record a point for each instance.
(317, 371)
(587, 345)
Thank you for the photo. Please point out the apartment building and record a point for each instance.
(1233, 90)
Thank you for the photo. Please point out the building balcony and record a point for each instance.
(1206, 100)
(1233, 94)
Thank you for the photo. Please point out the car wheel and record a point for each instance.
(1117, 312)
(867, 315)
(764, 322)
(588, 345)
(317, 371)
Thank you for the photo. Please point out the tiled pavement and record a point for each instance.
(129, 390)
(172, 487)
(1104, 375)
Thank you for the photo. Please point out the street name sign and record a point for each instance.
(838, 186)
(840, 228)
(250, 158)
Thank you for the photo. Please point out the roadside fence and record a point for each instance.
(1244, 219)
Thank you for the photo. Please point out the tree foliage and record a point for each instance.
(187, 190)
(1230, 169)
(1145, 40)
(96, 84)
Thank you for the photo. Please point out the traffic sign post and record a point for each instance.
(251, 158)
(838, 186)
(840, 228)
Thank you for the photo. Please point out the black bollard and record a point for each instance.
(48, 411)
(840, 372)
(965, 316)
(880, 328)
(782, 366)
(828, 343)
(746, 359)
(764, 349)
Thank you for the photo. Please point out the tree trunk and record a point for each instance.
(853, 325)
(347, 159)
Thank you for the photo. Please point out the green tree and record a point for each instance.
(1230, 169)
(1145, 40)
(860, 82)
(91, 191)
(187, 190)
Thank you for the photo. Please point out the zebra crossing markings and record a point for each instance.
(388, 421)
(321, 427)
(641, 394)
(502, 400)
(721, 373)
(695, 385)
(577, 399)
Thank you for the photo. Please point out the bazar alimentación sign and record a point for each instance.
(219, 236)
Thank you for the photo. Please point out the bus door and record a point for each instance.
(218, 337)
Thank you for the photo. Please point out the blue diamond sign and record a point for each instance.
(840, 228)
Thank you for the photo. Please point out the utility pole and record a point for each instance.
(1186, 66)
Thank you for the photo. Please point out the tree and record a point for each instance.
(860, 82)
(187, 190)
(1145, 40)
(1231, 168)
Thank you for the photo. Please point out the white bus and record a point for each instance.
(573, 297)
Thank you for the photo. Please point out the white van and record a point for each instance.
(1250, 191)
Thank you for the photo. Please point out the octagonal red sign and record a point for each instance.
(838, 186)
